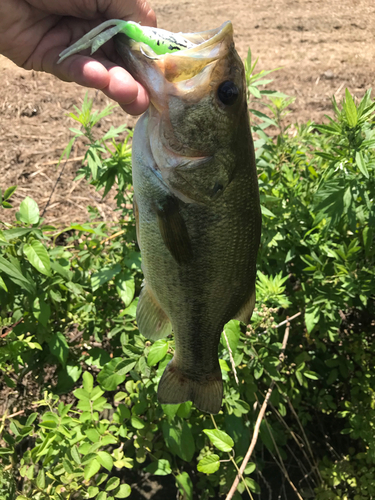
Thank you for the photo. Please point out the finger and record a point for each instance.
(138, 11)
(122, 87)
(140, 104)
(114, 81)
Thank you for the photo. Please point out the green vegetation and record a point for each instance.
(81, 381)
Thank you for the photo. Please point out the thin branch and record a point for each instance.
(9, 329)
(262, 411)
(55, 162)
(305, 438)
(281, 463)
(119, 233)
(62, 171)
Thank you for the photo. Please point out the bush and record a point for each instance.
(68, 300)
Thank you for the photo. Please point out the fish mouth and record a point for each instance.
(150, 68)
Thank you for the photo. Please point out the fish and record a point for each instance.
(196, 205)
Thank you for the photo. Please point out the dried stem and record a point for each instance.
(262, 411)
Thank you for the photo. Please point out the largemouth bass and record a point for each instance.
(196, 205)
(196, 198)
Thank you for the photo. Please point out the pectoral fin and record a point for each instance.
(173, 230)
(152, 321)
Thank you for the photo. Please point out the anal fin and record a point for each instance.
(246, 311)
(152, 321)
(175, 387)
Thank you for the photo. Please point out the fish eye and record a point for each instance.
(228, 92)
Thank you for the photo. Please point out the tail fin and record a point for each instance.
(175, 387)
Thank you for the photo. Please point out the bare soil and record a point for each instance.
(322, 46)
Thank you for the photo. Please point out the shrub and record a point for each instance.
(68, 300)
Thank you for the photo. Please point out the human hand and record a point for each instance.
(34, 32)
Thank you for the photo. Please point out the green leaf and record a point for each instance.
(41, 479)
(41, 311)
(157, 352)
(253, 485)
(312, 316)
(350, 109)
(185, 485)
(98, 357)
(82, 394)
(361, 164)
(253, 90)
(15, 275)
(209, 464)
(37, 255)
(125, 287)
(93, 435)
(92, 491)
(136, 422)
(59, 347)
(179, 439)
(2, 284)
(105, 274)
(112, 484)
(250, 467)
(6, 451)
(267, 212)
(123, 492)
(114, 373)
(75, 455)
(29, 211)
(170, 410)
(68, 467)
(232, 331)
(220, 439)
(160, 467)
(310, 374)
(91, 469)
(105, 460)
(8, 192)
(133, 261)
(88, 381)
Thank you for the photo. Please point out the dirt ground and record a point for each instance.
(322, 46)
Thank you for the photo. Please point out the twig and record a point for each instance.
(281, 463)
(282, 323)
(54, 187)
(15, 414)
(10, 328)
(55, 162)
(61, 173)
(288, 320)
(301, 444)
(305, 437)
(262, 411)
(231, 357)
(119, 233)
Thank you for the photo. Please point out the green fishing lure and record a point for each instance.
(159, 40)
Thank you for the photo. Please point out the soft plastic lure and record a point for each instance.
(159, 40)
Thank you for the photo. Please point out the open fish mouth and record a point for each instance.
(189, 53)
